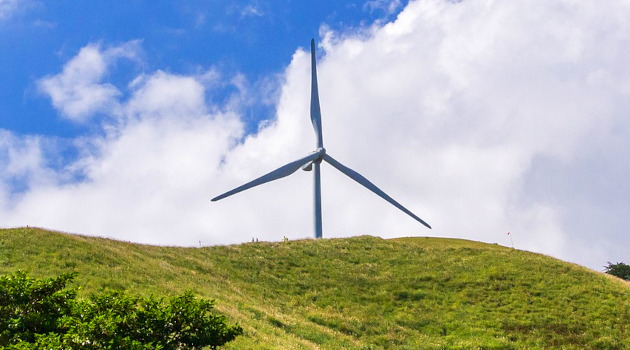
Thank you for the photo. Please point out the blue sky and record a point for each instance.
(255, 38)
(482, 117)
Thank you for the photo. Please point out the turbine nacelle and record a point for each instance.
(309, 166)
(313, 161)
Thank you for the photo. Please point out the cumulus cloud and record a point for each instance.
(22, 163)
(147, 171)
(482, 117)
(78, 91)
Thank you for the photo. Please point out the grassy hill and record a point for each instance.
(355, 293)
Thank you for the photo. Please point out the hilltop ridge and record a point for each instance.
(355, 293)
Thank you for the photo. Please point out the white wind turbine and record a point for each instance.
(313, 161)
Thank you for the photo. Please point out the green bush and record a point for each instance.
(620, 270)
(30, 308)
(41, 313)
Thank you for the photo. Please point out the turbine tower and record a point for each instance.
(313, 162)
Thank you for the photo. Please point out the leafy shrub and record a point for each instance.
(30, 307)
(42, 314)
(620, 270)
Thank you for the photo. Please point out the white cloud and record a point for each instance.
(8, 8)
(23, 163)
(77, 92)
(148, 173)
(162, 94)
(252, 10)
(482, 117)
(388, 6)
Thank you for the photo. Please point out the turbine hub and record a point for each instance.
(321, 152)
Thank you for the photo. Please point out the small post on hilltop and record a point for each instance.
(511, 240)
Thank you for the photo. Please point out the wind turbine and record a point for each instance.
(313, 161)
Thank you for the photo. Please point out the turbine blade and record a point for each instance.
(316, 115)
(370, 186)
(279, 173)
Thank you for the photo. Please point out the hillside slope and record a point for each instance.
(355, 293)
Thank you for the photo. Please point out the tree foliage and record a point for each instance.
(619, 269)
(42, 313)
(30, 308)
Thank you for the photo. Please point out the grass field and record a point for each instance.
(355, 293)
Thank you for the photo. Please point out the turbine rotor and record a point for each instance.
(313, 162)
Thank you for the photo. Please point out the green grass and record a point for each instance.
(355, 293)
